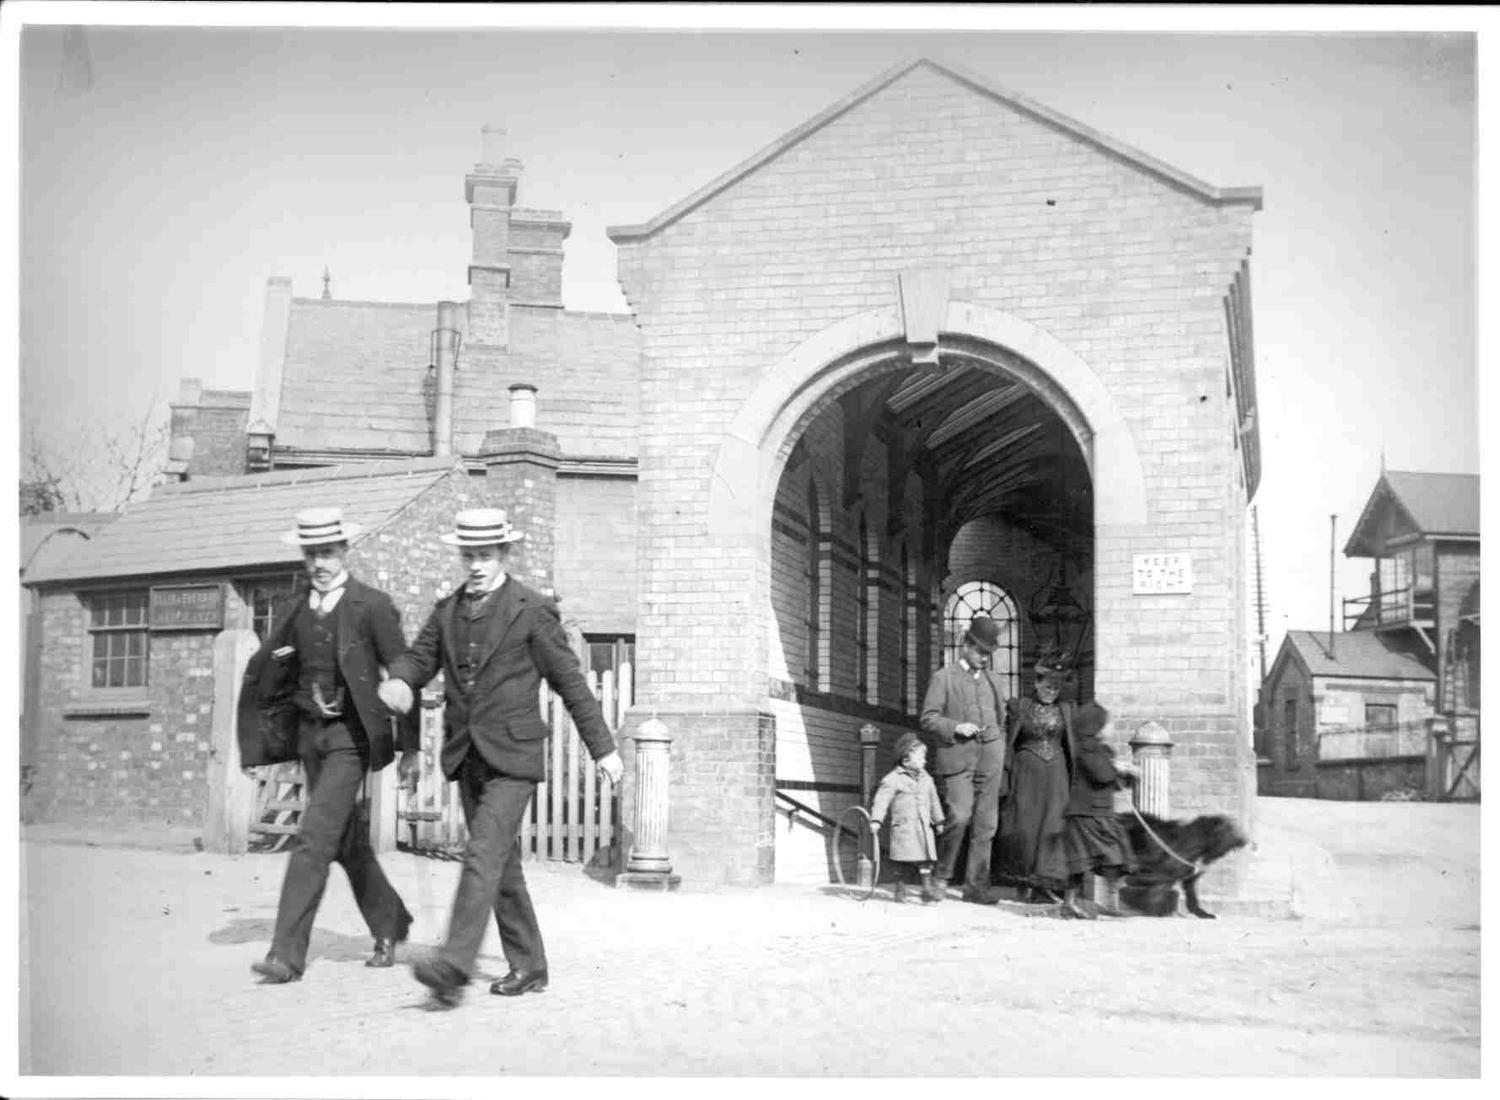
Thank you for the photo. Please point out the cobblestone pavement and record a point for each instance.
(136, 961)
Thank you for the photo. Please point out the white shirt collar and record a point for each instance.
(499, 580)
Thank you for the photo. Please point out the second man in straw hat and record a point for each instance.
(494, 639)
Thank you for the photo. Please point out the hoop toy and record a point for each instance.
(860, 891)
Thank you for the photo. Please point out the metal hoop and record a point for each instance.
(863, 836)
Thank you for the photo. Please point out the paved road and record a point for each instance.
(136, 961)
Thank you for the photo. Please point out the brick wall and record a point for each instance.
(145, 763)
(1125, 270)
(596, 553)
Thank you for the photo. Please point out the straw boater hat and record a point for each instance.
(320, 527)
(481, 527)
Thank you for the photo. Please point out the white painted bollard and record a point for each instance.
(649, 867)
(1152, 748)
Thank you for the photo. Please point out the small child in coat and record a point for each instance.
(910, 796)
(1094, 842)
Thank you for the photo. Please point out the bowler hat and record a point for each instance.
(1091, 719)
(984, 632)
(481, 527)
(321, 527)
(904, 745)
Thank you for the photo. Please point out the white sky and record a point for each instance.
(162, 186)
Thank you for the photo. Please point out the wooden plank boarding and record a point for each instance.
(559, 778)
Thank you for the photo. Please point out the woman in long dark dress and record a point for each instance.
(1039, 770)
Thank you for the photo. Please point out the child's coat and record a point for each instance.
(912, 801)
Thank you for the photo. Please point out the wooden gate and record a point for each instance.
(574, 815)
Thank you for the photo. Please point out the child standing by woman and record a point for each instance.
(1093, 840)
(909, 795)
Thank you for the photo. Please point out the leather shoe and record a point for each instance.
(520, 981)
(274, 971)
(385, 953)
(444, 979)
(982, 897)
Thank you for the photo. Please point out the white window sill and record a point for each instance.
(102, 705)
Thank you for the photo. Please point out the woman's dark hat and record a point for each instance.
(1052, 666)
(984, 632)
(904, 745)
(1091, 720)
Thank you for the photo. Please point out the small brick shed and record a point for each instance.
(938, 349)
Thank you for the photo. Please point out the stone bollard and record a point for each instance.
(1152, 748)
(648, 867)
(869, 744)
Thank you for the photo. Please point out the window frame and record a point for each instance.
(95, 632)
(983, 597)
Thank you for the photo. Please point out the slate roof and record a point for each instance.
(354, 378)
(1362, 654)
(236, 522)
(47, 535)
(1434, 504)
(983, 85)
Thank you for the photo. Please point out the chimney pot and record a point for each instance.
(523, 405)
(493, 144)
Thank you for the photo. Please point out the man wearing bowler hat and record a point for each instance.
(309, 693)
(495, 640)
(964, 712)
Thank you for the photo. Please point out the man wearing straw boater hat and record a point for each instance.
(964, 712)
(495, 640)
(309, 694)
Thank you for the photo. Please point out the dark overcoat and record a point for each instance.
(525, 645)
(368, 629)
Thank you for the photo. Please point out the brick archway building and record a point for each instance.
(937, 334)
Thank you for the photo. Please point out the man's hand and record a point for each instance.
(410, 769)
(611, 767)
(395, 694)
(965, 730)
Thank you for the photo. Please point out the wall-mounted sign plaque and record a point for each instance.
(1162, 574)
(187, 607)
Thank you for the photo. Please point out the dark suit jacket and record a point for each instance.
(946, 704)
(370, 635)
(525, 645)
(1095, 780)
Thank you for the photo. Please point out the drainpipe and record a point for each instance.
(446, 340)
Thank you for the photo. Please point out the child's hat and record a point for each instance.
(905, 743)
(1092, 718)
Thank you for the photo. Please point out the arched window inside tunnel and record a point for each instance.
(814, 586)
(984, 598)
(864, 629)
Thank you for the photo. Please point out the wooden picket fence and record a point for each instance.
(573, 817)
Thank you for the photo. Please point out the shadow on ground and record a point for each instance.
(325, 946)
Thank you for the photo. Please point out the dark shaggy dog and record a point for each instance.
(1151, 887)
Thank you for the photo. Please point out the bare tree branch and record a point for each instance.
(101, 469)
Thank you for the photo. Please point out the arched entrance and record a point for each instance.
(860, 469)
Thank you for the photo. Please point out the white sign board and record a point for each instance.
(1158, 574)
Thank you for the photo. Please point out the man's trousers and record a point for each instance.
(491, 880)
(333, 764)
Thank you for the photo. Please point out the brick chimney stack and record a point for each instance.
(520, 472)
(490, 191)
